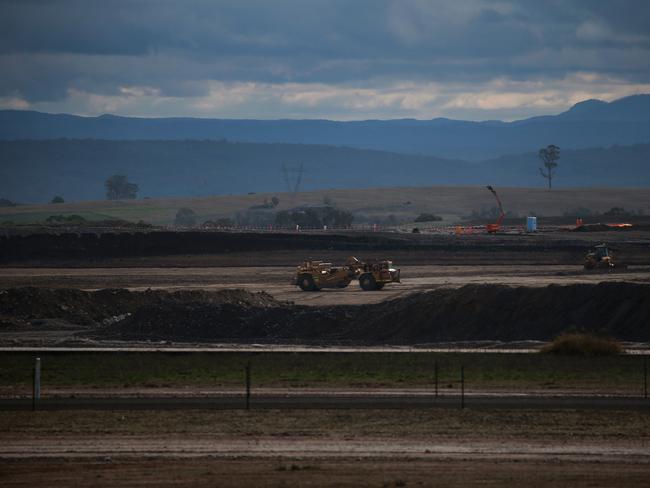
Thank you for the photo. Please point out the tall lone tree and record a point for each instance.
(118, 187)
(549, 155)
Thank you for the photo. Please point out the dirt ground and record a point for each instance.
(275, 280)
(354, 471)
(326, 448)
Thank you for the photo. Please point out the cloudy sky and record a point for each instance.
(356, 59)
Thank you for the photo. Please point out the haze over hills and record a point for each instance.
(35, 171)
(591, 123)
(43, 155)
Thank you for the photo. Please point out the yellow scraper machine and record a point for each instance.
(372, 275)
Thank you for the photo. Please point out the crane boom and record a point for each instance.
(491, 228)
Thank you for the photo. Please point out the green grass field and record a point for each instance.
(518, 372)
(452, 203)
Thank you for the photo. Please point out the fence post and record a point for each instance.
(435, 376)
(248, 385)
(462, 387)
(36, 396)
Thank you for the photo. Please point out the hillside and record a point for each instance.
(368, 205)
(35, 171)
(590, 123)
(612, 166)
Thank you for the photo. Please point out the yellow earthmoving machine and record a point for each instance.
(601, 257)
(373, 276)
(314, 275)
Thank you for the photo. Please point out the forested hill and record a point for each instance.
(591, 123)
(35, 171)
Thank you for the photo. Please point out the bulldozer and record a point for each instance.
(601, 257)
(315, 275)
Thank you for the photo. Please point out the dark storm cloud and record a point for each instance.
(49, 48)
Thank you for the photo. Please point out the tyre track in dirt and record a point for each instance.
(276, 280)
(35, 447)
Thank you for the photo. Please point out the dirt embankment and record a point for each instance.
(473, 312)
(90, 246)
(84, 245)
(30, 305)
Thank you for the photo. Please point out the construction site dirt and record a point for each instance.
(325, 448)
(84, 247)
(469, 313)
(453, 288)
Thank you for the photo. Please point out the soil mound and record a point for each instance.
(93, 307)
(602, 228)
(488, 312)
(473, 312)
(106, 244)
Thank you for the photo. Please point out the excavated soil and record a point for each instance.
(472, 312)
(83, 246)
(37, 306)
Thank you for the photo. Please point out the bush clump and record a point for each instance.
(314, 217)
(5, 202)
(428, 217)
(582, 345)
(65, 219)
(185, 217)
(275, 201)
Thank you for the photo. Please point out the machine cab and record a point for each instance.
(601, 251)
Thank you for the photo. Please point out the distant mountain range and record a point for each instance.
(36, 171)
(591, 123)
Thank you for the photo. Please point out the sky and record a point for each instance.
(324, 59)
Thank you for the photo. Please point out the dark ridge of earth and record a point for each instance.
(91, 245)
(473, 312)
(104, 246)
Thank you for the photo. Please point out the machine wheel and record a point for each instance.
(367, 282)
(306, 283)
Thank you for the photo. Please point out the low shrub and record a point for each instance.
(185, 217)
(427, 217)
(65, 219)
(5, 202)
(582, 345)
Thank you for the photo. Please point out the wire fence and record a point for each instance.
(447, 381)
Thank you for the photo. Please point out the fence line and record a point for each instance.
(36, 394)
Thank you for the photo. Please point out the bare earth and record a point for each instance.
(276, 279)
(326, 448)
(433, 447)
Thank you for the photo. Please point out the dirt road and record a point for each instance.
(326, 448)
(276, 280)
(353, 471)
(304, 447)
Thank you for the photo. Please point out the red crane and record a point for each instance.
(496, 227)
